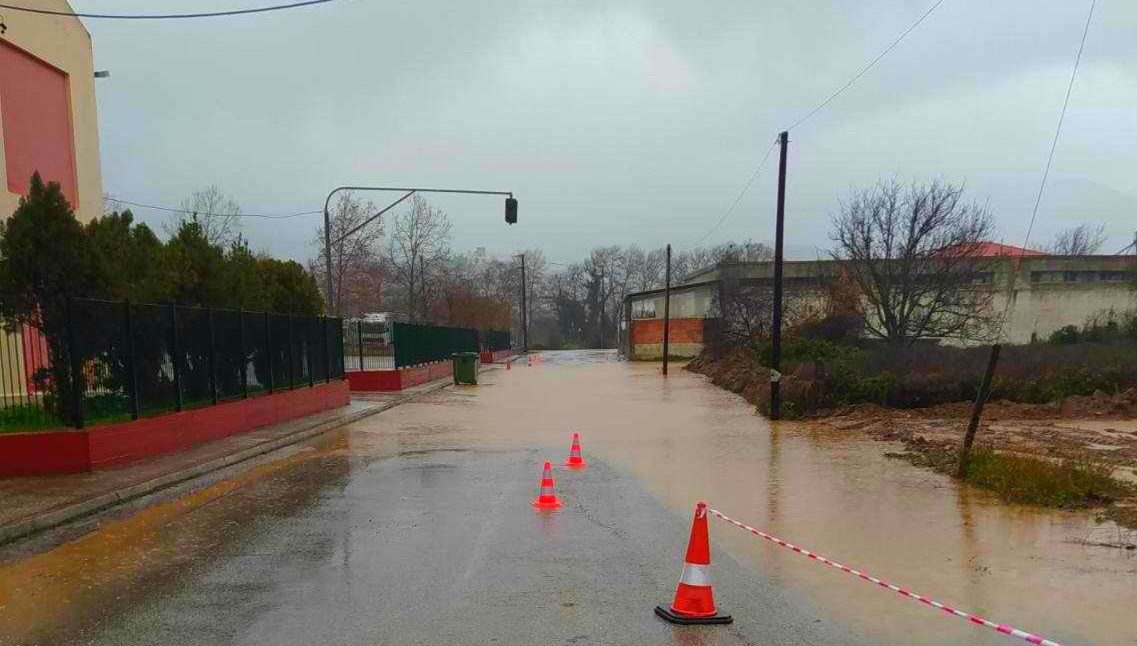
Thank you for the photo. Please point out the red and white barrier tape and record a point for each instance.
(980, 621)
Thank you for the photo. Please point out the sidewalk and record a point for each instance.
(35, 503)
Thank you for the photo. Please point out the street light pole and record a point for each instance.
(510, 218)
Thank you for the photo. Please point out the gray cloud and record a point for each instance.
(622, 121)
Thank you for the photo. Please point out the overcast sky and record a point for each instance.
(620, 121)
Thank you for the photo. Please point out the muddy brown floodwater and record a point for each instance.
(824, 489)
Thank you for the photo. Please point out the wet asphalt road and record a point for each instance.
(400, 535)
(440, 546)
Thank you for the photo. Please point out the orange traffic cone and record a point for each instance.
(547, 498)
(694, 597)
(574, 460)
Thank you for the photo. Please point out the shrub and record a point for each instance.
(822, 374)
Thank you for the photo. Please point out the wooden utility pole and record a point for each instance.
(977, 411)
(666, 310)
(776, 337)
(524, 308)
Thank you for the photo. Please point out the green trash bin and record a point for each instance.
(465, 367)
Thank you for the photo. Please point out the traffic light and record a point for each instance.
(510, 210)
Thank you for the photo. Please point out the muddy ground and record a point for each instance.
(1101, 427)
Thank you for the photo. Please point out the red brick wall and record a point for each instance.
(682, 331)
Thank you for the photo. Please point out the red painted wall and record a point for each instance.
(35, 102)
(374, 380)
(387, 380)
(111, 445)
(682, 331)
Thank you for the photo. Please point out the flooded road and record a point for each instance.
(413, 526)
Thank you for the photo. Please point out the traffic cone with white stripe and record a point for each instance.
(575, 461)
(547, 498)
(694, 597)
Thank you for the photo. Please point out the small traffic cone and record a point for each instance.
(574, 460)
(547, 498)
(694, 597)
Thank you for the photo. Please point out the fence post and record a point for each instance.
(977, 412)
(327, 355)
(291, 357)
(176, 356)
(268, 351)
(75, 367)
(340, 350)
(132, 377)
(308, 350)
(359, 338)
(244, 353)
(212, 357)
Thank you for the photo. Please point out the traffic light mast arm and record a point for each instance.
(510, 217)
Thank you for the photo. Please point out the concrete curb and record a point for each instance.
(61, 515)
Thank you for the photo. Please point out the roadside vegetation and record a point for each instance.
(823, 375)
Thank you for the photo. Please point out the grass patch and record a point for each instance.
(1068, 483)
(25, 417)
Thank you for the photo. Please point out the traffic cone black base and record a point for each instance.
(717, 618)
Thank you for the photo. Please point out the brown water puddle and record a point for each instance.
(830, 491)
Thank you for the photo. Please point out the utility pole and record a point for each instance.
(977, 411)
(667, 310)
(776, 339)
(524, 308)
(510, 218)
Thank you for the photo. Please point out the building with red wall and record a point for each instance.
(48, 117)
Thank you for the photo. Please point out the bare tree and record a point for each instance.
(357, 271)
(416, 251)
(645, 269)
(1082, 240)
(218, 214)
(914, 254)
(687, 262)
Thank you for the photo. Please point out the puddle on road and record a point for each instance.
(830, 491)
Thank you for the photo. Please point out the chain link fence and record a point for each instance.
(121, 361)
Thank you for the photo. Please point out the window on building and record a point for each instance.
(644, 309)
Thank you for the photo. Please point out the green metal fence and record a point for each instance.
(120, 360)
(495, 340)
(415, 344)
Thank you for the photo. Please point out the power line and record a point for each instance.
(1046, 172)
(738, 199)
(1058, 130)
(866, 68)
(271, 216)
(167, 16)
